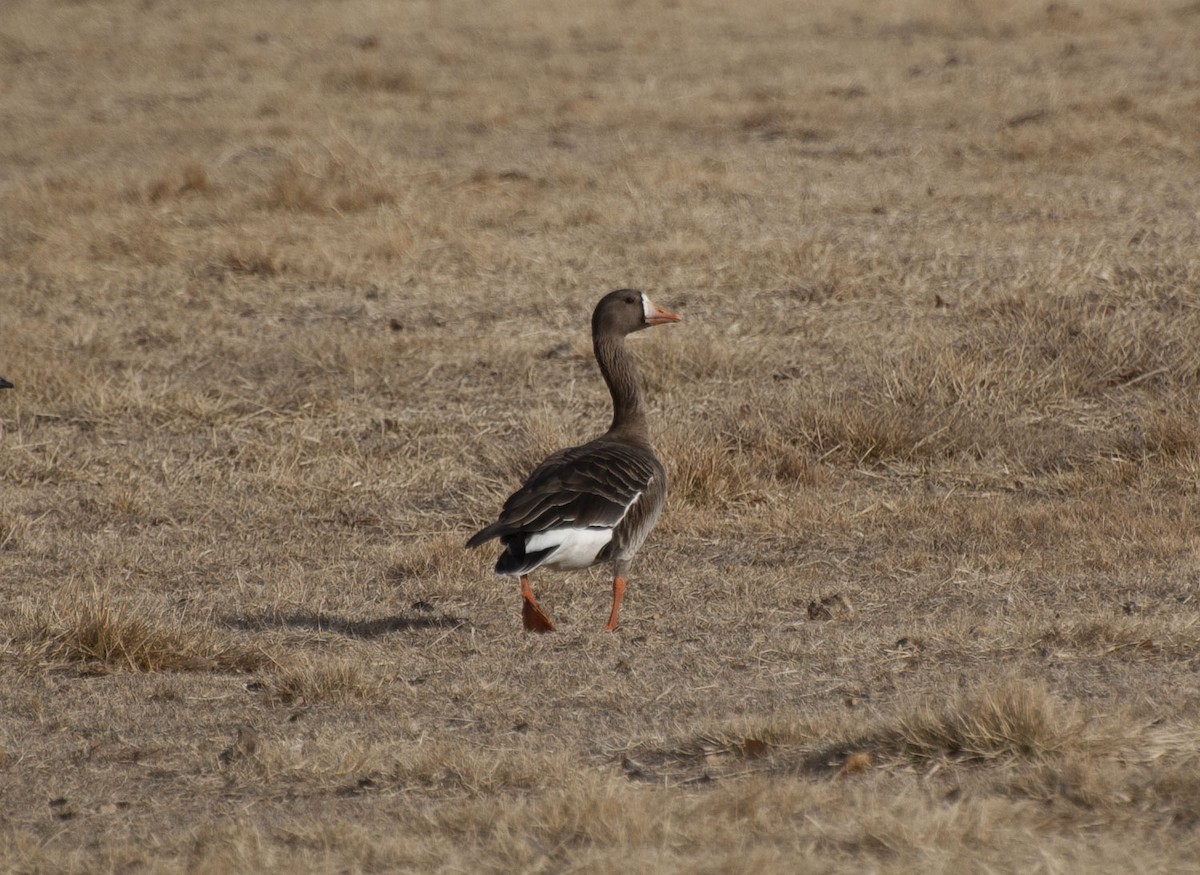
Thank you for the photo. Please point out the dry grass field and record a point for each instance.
(293, 295)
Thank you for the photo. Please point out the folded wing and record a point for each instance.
(566, 512)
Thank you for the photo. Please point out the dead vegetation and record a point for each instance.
(106, 636)
(293, 294)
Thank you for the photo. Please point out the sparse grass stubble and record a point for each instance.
(294, 295)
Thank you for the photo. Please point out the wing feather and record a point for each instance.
(589, 485)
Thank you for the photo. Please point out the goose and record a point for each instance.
(596, 502)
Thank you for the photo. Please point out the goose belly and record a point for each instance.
(569, 547)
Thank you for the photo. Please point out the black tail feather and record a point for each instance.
(483, 535)
(515, 560)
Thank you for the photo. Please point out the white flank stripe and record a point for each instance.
(573, 548)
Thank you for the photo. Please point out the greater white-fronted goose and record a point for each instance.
(596, 502)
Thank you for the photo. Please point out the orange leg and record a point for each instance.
(618, 594)
(535, 618)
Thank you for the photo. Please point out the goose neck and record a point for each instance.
(629, 417)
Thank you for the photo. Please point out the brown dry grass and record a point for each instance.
(293, 293)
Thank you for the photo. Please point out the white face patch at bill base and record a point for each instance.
(572, 547)
(646, 305)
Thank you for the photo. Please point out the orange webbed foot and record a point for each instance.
(534, 617)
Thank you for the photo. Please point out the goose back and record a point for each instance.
(604, 495)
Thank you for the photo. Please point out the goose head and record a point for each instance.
(627, 310)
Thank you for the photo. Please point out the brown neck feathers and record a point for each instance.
(629, 419)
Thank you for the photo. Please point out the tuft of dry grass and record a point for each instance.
(99, 631)
(252, 257)
(342, 181)
(329, 679)
(193, 177)
(1013, 720)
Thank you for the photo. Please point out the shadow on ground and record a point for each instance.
(319, 622)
